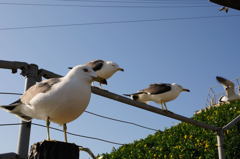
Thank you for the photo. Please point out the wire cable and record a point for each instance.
(73, 134)
(11, 124)
(138, 1)
(122, 121)
(115, 22)
(99, 6)
(10, 93)
(83, 136)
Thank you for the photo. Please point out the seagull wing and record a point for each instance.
(96, 65)
(225, 82)
(134, 94)
(157, 88)
(41, 87)
(14, 108)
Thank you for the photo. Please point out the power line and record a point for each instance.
(136, 2)
(11, 124)
(10, 93)
(97, 6)
(115, 22)
(122, 121)
(73, 134)
(129, 1)
(83, 136)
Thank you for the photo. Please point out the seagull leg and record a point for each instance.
(165, 106)
(65, 131)
(162, 105)
(100, 85)
(48, 131)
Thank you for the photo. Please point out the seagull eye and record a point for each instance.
(85, 70)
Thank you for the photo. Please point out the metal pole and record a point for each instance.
(25, 129)
(220, 142)
(232, 123)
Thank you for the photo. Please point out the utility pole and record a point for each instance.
(220, 142)
(31, 73)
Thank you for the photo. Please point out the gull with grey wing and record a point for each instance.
(59, 100)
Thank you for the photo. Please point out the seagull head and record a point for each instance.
(87, 73)
(180, 88)
(113, 66)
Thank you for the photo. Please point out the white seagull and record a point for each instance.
(229, 87)
(58, 100)
(159, 93)
(104, 69)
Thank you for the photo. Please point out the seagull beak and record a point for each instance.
(186, 90)
(100, 80)
(120, 69)
(70, 68)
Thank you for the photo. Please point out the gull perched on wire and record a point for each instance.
(159, 93)
(229, 87)
(59, 100)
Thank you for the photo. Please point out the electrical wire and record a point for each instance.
(122, 121)
(11, 124)
(10, 93)
(99, 6)
(77, 135)
(138, 1)
(116, 22)
(73, 134)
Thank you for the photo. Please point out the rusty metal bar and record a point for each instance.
(232, 123)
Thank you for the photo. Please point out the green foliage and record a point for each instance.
(186, 141)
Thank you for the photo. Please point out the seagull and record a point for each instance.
(58, 100)
(104, 69)
(229, 87)
(159, 93)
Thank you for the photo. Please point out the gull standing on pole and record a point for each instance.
(159, 93)
(229, 87)
(58, 100)
(104, 69)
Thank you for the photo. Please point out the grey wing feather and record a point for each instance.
(133, 94)
(157, 88)
(96, 65)
(14, 108)
(225, 81)
(41, 87)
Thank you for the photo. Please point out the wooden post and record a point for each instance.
(10, 155)
(54, 149)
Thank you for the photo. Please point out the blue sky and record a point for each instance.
(190, 52)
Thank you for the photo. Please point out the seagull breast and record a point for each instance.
(63, 103)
